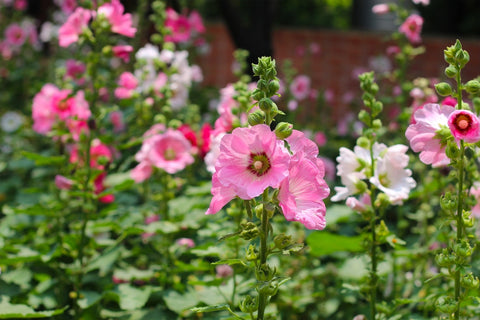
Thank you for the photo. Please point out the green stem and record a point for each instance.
(262, 296)
(373, 246)
(459, 225)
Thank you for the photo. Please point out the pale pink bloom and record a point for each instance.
(127, 85)
(300, 51)
(330, 170)
(170, 151)
(348, 97)
(179, 26)
(187, 242)
(116, 118)
(391, 177)
(250, 160)
(213, 153)
(359, 205)
(122, 52)
(196, 73)
(475, 191)
(320, 138)
(417, 93)
(393, 50)
(15, 35)
(141, 172)
(412, 27)
(329, 96)
(423, 134)
(223, 271)
(70, 31)
(423, 2)
(42, 113)
(292, 105)
(120, 23)
(300, 87)
(67, 6)
(63, 182)
(196, 22)
(381, 8)
(464, 125)
(313, 94)
(77, 127)
(152, 218)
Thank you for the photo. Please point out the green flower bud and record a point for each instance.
(282, 241)
(273, 87)
(265, 273)
(258, 94)
(259, 210)
(256, 117)
(446, 304)
(448, 202)
(377, 124)
(268, 288)
(363, 142)
(451, 71)
(283, 130)
(445, 259)
(266, 104)
(443, 89)
(270, 209)
(377, 107)
(462, 57)
(452, 151)
(470, 281)
(472, 86)
(174, 123)
(251, 254)
(382, 201)
(364, 117)
(249, 231)
(463, 249)
(361, 187)
(262, 84)
(249, 304)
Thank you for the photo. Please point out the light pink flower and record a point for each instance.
(223, 270)
(381, 8)
(475, 191)
(423, 2)
(122, 52)
(20, 4)
(141, 172)
(127, 85)
(67, 6)
(70, 31)
(15, 35)
(42, 114)
(187, 242)
(152, 218)
(120, 23)
(250, 160)
(116, 118)
(196, 22)
(464, 125)
(63, 182)
(170, 151)
(300, 87)
(412, 27)
(320, 138)
(292, 105)
(358, 205)
(423, 134)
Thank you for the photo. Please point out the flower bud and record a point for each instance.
(249, 231)
(463, 249)
(451, 71)
(443, 89)
(266, 104)
(249, 304)
(446, 304)
(470, 281)
(447, 202)
(472, 86)
(265, 273)
(251, 254)
(256, 117)
(273, 87)
(363, 142)
(258, 94)
(462, 57)
(364, 117)
(452, 150)
(283, 130)
(377, 124)
(282, 241)
(377, 107)
(262, 84)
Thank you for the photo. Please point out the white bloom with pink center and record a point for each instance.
(391, 177)
(300, 87)
(423, 134)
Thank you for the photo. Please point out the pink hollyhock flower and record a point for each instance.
(475, 191)
(423, 2)
(100, 187)
(116, 118)
(196, 22)
(100, 155)
(464, 125)
(250, 160)
(214, 152)
(358, 205)
(141, 172)
(62, 104)
(70, 31)
(300, 87)
(292, 105)
(393, 50)
(381, 8)
(77, 127)
(205, 134)
(120, 23)
(15, 35)
(320, 139)
(67, 6)
(315, 48)
(412, 27)
(186, 242)
(151, 219)
(75, 70)
(42, 114)
(223, 271)
(63, 183)
(391, 177)
(127, 85)
(20, 4)
(449, 101)
(178, 25)
(122, 52)
(423, 134)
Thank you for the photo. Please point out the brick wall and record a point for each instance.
(341, 52)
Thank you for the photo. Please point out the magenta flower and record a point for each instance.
(178, 25)
(412, 27)
(250, 160)
(15, 35)
(464, 125)
(300, 87)
(70, 31)
(120, 23)
(122, 52)
(127, 84)
(63, 183)
(423, 133)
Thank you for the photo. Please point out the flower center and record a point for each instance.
(62, 105)
(462, 122)
(259, 164)
(169, 154)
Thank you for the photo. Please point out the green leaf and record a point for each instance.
(230, 262)
(217, 307)
(131, 298)
(179, 302)
(324, 243)
(119, 181)
(339, 213)
(41, 160)
(105, 261)
(88, 299)
(8, 311)
(164, 227)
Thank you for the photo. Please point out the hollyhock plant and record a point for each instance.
(464, 125)
(15, 35)
(71, 30)
(424, 135)
(250, 160)
(119, 22)
(300, 87)
(412, 27)
(123, 52)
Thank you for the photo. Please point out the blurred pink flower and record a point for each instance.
(116, 118)
(141, 172)
(300, 87)
(63, 182)
(170, 151)
(320, 138)
(423, 2)
(122, 52)
(464, 125)
(120, 23)
(178, 25)
(75, 70)
(152, 218)
(292, 105)
(187, 242)
(250, 160)
(381, 8)
(449, 101)
(127, 84)
(42, 114)
(412, 27)
(70, 31)
(100, 187)
(100, 155)
(196, 22)
(475, 191)
(358, 205)
(20, 4)
(224, 270)
(15, 35)
(423, 134)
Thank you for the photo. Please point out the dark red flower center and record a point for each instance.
(259, 164)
